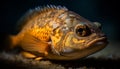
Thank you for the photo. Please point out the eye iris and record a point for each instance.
(83, 31)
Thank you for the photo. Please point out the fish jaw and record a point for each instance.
(90, 48)
(70, 53)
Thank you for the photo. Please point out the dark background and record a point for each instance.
(103, 11)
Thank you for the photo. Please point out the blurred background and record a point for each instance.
(103, 11)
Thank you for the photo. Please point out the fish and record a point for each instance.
(56, 33)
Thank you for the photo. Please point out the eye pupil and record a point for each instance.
(80, 30)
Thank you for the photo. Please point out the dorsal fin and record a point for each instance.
(35, 12)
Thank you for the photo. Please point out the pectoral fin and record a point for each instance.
(34, 45)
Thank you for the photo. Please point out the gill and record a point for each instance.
(58, 39)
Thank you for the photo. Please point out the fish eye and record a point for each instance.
(82, 30)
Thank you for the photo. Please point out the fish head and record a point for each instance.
(80, 38)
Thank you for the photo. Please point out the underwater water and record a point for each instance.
(105, 12)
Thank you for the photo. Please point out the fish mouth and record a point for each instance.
(98, 42)
(93, 46)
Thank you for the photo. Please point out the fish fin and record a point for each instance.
(38, 58)
(34, 45)
(35, 12)
(27, 55)
(30, 55)
(14, 41)
(26, 18)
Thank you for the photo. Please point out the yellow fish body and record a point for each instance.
(54, 32)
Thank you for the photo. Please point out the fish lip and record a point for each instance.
(98, 41)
